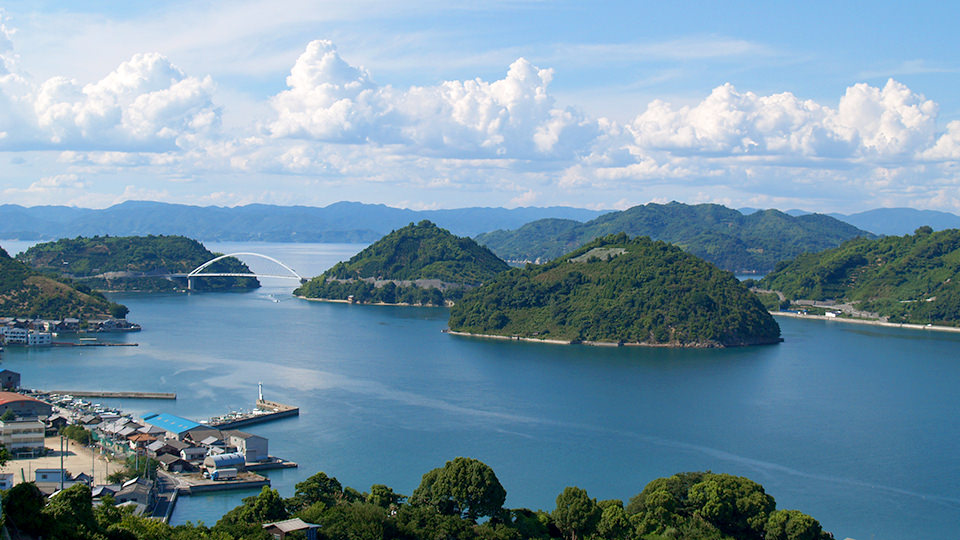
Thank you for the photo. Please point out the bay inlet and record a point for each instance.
(852, 424)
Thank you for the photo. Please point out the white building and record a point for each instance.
(22, 436)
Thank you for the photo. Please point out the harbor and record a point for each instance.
(264, 411)
(120, 395)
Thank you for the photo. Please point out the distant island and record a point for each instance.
(739, 243)
(27, 293)
(900, 279)
(135, 263)
(622, 291)
(420, 264)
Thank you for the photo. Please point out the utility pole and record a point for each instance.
(61, 463)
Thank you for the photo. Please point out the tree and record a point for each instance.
(614, 523)
(464, 486)
(384, 496)
(794, 525)
(576, 513)
(736, 505)
(22, 505)
(70, 514)
(317, 488)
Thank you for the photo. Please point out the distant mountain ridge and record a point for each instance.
(889, 221)
(338, 222)
(721, 235)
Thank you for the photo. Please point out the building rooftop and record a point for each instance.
(171, 423)
(11, 397)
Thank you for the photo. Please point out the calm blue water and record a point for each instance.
(854, 425)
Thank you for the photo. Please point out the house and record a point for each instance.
(138, 490)
(253, 447)
(139, 440)
(6, 481)
(193, 453)
(57, 421)
(280, 529)
(39, 339)
(172, 463)
(83, 478)
(51, 476)
(158, 448)
(9, 380)
(100, 491)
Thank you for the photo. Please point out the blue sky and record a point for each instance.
(822, 106)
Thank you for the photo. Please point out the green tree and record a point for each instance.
(22, 505)
(736, 505)
(793, 525)
(70, 514)
(464, 486)
(576, 513)
(384, 496)
(614, 522)
(317, 488)
(245, 520)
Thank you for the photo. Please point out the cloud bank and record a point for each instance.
(335, 124)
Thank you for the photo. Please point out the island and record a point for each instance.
(418, 265)
(617, 290)
(29, 294)
(913, 279)
(136, 263)
(743, 244)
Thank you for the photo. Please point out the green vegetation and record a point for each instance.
(725, 237)
(913, 278)
(27, 293)
(447, 504)
(132, 263)
(649, 293)
(419, 264)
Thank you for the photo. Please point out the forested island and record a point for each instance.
(136, 263)
(461, 500)
(752, 243)
(619, 290)
(903, 279)
(420, 264)
(28, 293)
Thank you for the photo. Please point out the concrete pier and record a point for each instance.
(124, 395)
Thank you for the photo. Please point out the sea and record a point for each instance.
(855, 425)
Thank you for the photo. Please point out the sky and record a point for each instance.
(821, 106)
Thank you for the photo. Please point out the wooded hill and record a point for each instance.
(128, 263)
(739, 243)
(418, 264)
(27, 293)
(913, 278)
(616, 289)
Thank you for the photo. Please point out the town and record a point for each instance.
(145, 462)
(40, 332)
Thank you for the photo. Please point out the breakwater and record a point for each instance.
(123, 395)
(265, 411)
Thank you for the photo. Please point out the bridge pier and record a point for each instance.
(189, 283)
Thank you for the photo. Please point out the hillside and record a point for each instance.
(913, 278)
(338, 222)
(27, 293)
(418, 264)
(127, 263)
(619, 290)
(744, 244)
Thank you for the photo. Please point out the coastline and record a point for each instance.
(338, 301)
(870, 322)
(589, 343)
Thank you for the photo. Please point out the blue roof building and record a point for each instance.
(174, 425)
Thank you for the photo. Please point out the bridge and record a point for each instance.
(199, 271)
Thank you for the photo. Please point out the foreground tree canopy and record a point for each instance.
(912, 278)
(617, 289)
(446, 505)
(419, 264)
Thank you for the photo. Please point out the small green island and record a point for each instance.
(136, 263)
(898, 279)
(420, 265)
(617, 290)
(28, 293)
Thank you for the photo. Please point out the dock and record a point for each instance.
(123, 395)
(265, 411)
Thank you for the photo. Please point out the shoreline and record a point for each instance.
(338, 301)
(869, 322)
(596, 343)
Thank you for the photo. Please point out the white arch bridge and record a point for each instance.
(199, 271)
